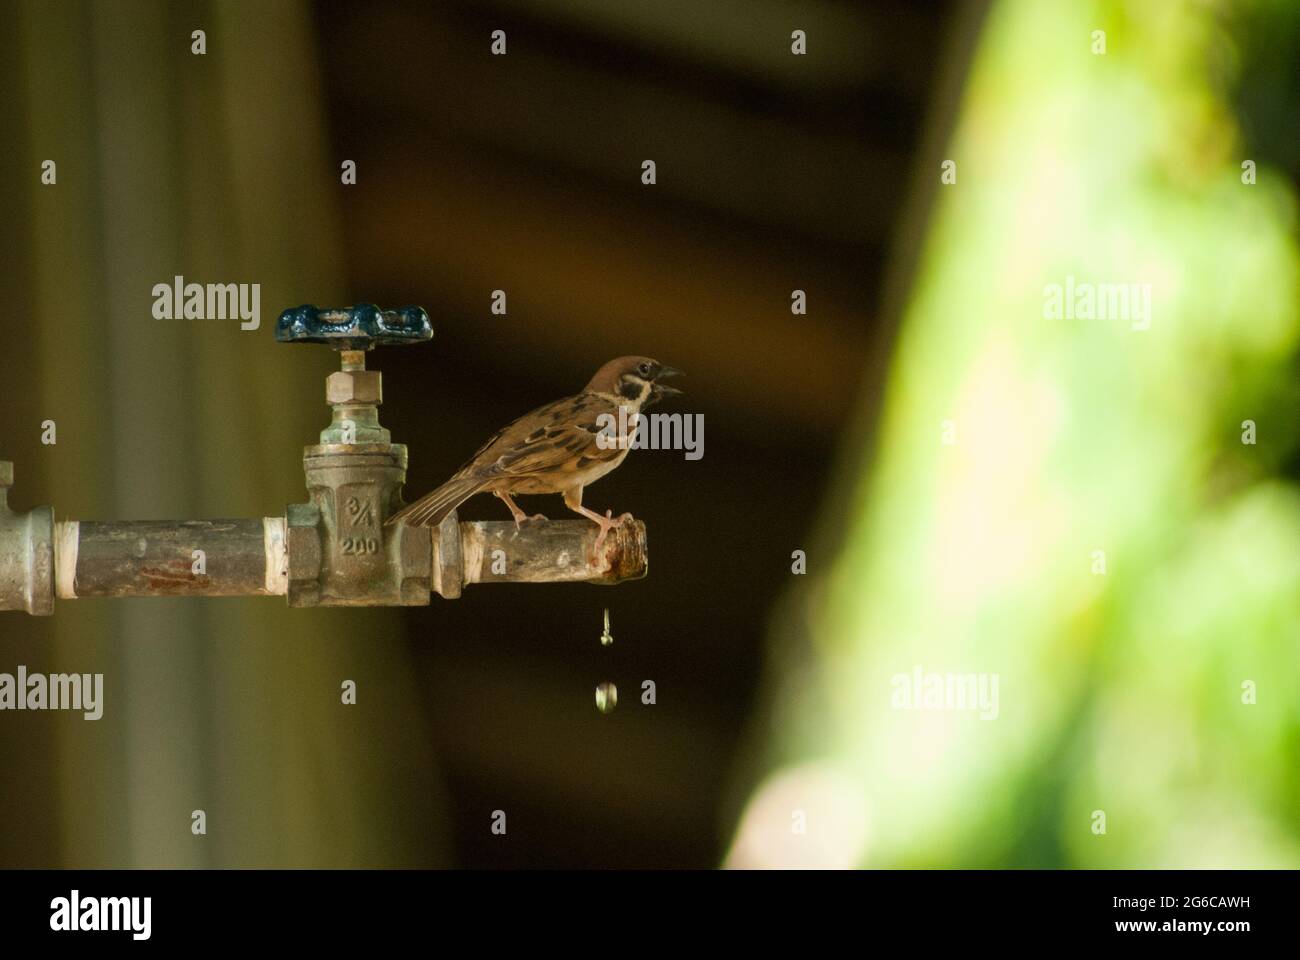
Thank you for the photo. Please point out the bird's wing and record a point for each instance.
(546, 439)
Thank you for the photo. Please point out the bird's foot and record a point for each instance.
(607, 524)
(521, 518)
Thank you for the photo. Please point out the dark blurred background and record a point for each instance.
(522, 173)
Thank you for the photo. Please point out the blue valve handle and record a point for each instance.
(361, 327)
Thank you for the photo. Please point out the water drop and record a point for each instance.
(606, 697)
(606, 638)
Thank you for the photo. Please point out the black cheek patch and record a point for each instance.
(630, 390)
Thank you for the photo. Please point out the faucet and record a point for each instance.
(333, 550)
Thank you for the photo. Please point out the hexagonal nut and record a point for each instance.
(302, 541)
(354, 386)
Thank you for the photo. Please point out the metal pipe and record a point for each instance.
(26, 553)
(150, 558)
(228, 558)
(550, 551)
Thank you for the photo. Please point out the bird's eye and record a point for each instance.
(644, 369)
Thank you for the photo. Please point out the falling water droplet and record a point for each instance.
(606, 638)
(606, 697)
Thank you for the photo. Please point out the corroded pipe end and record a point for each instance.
(624, 555)
(543, 551)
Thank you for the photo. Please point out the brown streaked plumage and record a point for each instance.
(554, 449)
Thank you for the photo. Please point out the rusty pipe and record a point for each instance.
(225, 558)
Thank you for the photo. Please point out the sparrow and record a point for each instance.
(558, 448)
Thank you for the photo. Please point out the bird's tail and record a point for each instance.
(432, 508)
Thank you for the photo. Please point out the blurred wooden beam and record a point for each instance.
(757, 165)
(849, 45)
(603, 280)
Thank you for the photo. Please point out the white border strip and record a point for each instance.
(67, 540)
(277, 556)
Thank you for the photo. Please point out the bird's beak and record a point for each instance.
(661, 390)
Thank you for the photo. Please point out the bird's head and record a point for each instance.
(635, 382)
